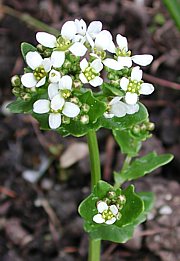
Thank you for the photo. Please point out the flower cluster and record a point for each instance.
(109, 209)
(60, 66)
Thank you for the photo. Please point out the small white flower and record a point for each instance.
(54, 76)
(90, 72)
(63, 86)
(62, 44)
(123, 56)
(56, 107)
(40, 68)
(135, 86)
(118, 108)
(106, 214)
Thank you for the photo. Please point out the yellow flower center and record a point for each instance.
(90, 73)
(134, 86)
(39, 73)
(107, 214)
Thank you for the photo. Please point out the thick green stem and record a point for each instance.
(94, 244)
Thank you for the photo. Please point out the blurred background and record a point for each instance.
(43, 176)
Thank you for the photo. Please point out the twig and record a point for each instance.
(28, 19)
(161, 82)
(7, 192)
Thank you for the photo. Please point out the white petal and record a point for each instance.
(41, 82)
(53, 90)
(54, 120)
(108, 115)
(136, 74)
(83, 78)
(131, 109)
(146, 88)
(111, 47)
(78, 49)
(103, 40)
(122, 42)
(47, 40)
(84, 64)
(69, 30)
(34, 59)
(71, 110)
(57, 102)
(131, 98)
(114, 209)
(125, 61)
(80, 26)
(143, 59)
(98, 219)
(47, 64)
(90, 40)
(102, 206)
(111, 221)
(115, 100)
(28, 80)
(94, 28)
(118, 109)
(113, 64)
(97, 81)
(57, 58)
(97, 65)
(124, 83)
(54, 76)
(65, 83)
(41, 106)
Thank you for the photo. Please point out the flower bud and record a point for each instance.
(85, 107)
(40, 48)
(143, 127)
(150, 126)
(15, 81)
(121, 199)
(84, 119)
(65, 120)
(136, 129)
(111, 194)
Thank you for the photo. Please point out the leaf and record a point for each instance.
(113, 233)
(20, 106)
(25, 48)
(127, 143)
(122, 229)
(122, 123)
(133, 207)
(148, 199)
(173, 7)
(143, 166)
(76, 127)
(110, 90)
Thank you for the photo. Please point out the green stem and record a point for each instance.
(94, 244)
(124, 167)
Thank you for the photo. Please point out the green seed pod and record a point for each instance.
(15, 81)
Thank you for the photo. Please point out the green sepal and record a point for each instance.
(128, 144)
(122, 229)
(142, 166)
(25, 48)
(122, 123)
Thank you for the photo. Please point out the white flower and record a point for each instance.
(124, 59)
(87, 34)
(64, 86)
(40, 68)
(62, 44)
(56, 106)
(90, 72)
(106, 214)
(135, 86)
(118, 108)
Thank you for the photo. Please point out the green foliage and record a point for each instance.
(142, 166)
(173, 7)
(125, 122)
(110, 90)
(127, 143)
(26, 47)
(123, 228)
